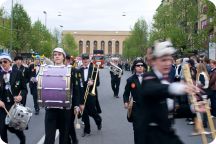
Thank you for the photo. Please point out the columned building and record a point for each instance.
(109, 41)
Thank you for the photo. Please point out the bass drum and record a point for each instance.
(54, 86)
(18, 117)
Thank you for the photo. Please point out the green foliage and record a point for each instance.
(26, 37)
(41, 39)
(21, 29)
(136, 44)
(178, 21)
(69, 45)
(4, 29)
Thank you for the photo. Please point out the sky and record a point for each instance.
(88, 14)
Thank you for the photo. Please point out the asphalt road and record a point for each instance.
(115, 128)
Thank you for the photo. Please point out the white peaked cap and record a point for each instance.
(5, 56)
(163, 48)
(58, 49)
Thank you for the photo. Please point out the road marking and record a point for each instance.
(41, 141)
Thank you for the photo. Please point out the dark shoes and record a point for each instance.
(75, 142)
(116, 96)
(37, 111)
(99, 126)
(85, 134)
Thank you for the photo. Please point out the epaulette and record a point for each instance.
(149, 78)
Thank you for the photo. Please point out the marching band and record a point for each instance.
(158, 91)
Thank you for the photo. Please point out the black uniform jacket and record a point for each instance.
(17, 83)
(75, 87)
(24, 70)
(134, 88)
(92, 99)
(155, 110)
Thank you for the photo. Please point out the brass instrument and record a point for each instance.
(115, 69)
(87, 90)
(77, 124)
(95, 81)
(198, 123)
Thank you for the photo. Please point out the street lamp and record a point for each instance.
(11, 35)
(60, 37)
(45, 13)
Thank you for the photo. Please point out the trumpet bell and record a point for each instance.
(77, 126)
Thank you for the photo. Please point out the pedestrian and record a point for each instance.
(33, 74)
(19, 65)
(134, 87)
(89, 103)
(12, 90)
(212, 87)
(156, 125)
(59, 117)
(116, 77)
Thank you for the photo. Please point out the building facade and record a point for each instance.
(109, 41)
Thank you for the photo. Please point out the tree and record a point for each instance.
(70, 45)
(4, 29)
(41, 39)
(21, 29)
(136, 43)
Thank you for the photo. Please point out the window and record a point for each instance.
(95, 45)
(117, 47)
(80, 47)
(102, 45)
(88, 47)
(109, 47)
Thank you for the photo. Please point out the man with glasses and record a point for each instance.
(133, 87)
(12, 90)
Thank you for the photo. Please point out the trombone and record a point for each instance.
(95, 81)
(94, 86)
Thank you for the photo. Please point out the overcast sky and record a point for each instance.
(88, 14)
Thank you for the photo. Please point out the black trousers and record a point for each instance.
(90, 110)
(33, 90)
(57, 119)
(115, 83)
(156, 136)
(72, 131)
(4, 128)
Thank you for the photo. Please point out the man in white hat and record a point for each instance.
(156, 125)
(12, 89)
(62, 118)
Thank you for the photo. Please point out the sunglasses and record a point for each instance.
(139, 65)
(3, 62)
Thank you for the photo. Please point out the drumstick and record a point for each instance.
(6, 111)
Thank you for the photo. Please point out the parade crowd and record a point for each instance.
(157, 92)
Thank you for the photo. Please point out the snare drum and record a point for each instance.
(18, 117)
(54, 86)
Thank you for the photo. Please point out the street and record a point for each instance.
(115, 128)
